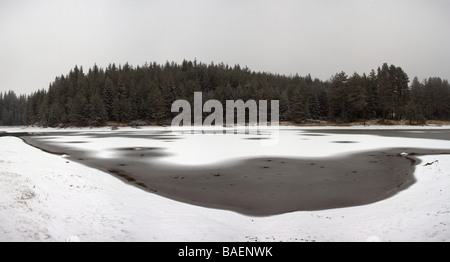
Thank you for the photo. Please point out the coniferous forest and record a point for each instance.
(144, 94)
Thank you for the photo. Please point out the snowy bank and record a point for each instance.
(48, 198)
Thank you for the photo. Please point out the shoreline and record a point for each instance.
(281, 125)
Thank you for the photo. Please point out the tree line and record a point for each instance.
(144, 94)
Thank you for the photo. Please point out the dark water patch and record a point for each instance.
(255, 138)
(43, 138)
(440, 134)
(142, 136)
(140, 152)
(137, 148)
(303, 134)
(344, 142)
(15, 134)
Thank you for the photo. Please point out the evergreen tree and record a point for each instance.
(337, 97)
(157, 105)
(285, 107)
(357, 98)
(386, 98)
(299, 108)
(373, 96)
(97, 114)
(77, 110)
(1, 108)
(109, 96)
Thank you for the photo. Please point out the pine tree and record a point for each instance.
(400, 90)
(386, 98)
(337, 97)
(1, 109)
(157, 105)
(98, 113)
(109, 96)
(167, 98)
(357, 98)
(314, 106)
(44, 107)
(373, 96)
(54, 115)
(77, 110)
(284, 107)
(299, 108)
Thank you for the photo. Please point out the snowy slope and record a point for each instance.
(47, 198)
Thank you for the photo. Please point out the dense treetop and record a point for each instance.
(125, 94)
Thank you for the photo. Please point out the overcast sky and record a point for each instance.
(43, 39)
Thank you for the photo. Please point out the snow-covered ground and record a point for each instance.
(48, 198)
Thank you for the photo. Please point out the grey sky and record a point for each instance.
(43, 39)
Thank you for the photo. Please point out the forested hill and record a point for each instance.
(126, 93)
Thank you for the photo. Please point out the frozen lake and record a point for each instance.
(260, 174)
